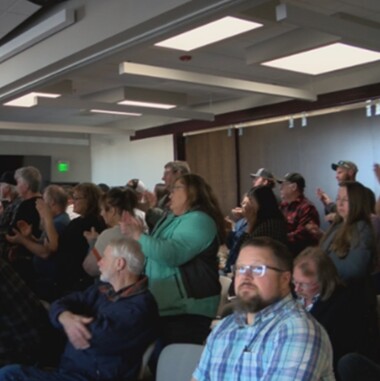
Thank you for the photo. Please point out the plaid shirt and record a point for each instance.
(284, 343)
(298, 214)
(22, 318)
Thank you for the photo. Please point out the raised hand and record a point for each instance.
(130, 226)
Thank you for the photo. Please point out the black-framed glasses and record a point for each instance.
(255, 270)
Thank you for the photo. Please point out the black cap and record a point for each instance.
(294, 178)
(8, 177)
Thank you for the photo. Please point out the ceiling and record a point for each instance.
(81, 59)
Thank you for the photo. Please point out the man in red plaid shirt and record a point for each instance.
(298, 211)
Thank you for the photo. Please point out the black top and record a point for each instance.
(72, 250)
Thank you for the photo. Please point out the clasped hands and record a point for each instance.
(76, 329)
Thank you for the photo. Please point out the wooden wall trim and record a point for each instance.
(338, 98)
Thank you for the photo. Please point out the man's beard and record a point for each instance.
(251, 305)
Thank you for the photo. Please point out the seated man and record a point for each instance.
(299, 212)
(321, 292)
(108, 326)
(269, 337)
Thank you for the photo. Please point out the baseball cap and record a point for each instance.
(344, 164)
(8, 178)
(263, 172)
(293, 178)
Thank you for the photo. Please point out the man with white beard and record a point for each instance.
(108, 326)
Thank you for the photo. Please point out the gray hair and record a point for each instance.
(178, 166)
(31, 176)
(57, 195)
(130, 250)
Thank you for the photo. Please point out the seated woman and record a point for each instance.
(320, 291)
(181, 260)
(264, 218)
(350, 243)
(113, 204)
(73, 246)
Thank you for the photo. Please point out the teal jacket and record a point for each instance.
(176, 242)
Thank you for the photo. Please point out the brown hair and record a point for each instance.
(325, 270)
(92, 194)
(359, 210)
(201, 197)
(120, 199)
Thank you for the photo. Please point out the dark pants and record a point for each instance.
(354, 367)
(32, 373)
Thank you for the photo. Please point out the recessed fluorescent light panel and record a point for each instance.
(115, 112)
(207, 34)
(146, 104)
(323, 60)
(30, 100)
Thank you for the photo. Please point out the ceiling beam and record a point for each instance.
(88, 105)
(334, 99)
(64, 128)
(215, 81)
(350, 32)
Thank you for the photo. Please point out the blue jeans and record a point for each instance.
(32, 373)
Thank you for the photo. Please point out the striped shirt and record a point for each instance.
(284, 343)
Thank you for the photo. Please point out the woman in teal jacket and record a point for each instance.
(181, 260)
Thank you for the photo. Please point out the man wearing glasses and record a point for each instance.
(269, 336)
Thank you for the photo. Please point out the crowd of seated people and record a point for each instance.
(84, 266)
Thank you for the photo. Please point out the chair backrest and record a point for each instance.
(177, 362)
(225, 282)
(146, 357)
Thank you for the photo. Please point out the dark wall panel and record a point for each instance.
(213, 156)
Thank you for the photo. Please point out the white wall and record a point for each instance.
(78, 156)
(117, 160)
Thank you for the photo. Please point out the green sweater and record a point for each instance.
(175, 241)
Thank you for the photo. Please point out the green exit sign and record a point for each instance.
(63, 166)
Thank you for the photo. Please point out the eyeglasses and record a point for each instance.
(257, 271)
(304, 286)
(344, 199)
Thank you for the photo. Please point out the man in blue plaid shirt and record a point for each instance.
(269, 337)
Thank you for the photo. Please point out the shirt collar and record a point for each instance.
(301, 301)
(133, 289)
